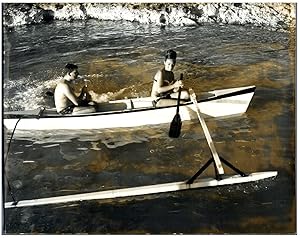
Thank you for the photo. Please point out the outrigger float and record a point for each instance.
(132, 112)
(142, 190)
(193, 183)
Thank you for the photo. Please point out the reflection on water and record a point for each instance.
(120, 61)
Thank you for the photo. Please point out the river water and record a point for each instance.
(120, 59)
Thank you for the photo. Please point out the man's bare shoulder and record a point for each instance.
(62, 84)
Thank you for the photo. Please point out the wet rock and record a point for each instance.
(162, 19)
(48, 15)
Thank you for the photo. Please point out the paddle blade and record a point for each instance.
(175, 127)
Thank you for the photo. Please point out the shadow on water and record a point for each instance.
(44, 164)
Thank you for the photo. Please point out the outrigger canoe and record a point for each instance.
(133, 112)
(233, 97)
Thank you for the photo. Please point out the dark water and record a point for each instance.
(120, 60)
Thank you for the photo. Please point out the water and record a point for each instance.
(120, 60)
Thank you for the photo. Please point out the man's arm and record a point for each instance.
(70, 95)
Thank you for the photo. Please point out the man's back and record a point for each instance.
(63, 96)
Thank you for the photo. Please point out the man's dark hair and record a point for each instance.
(70, 67)
(171, 54)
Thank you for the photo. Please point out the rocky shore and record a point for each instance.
(274, 16)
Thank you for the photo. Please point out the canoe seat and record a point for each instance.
(106, 107)
(83, 110)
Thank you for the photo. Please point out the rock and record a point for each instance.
(187, 22)
(162, 19)
(276, 16)
(48, 15)
(210, 10)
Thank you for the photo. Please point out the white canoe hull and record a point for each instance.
(224, 103)
(144, 190)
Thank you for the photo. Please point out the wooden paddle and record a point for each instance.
(176, 123)
(210, 143)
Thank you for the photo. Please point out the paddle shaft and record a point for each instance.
(179, 94)
(175, 126)
(209, 140)
(178, 101)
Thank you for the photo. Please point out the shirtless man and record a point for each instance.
(165, 86)
(65, 100)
